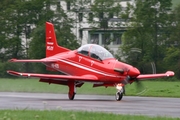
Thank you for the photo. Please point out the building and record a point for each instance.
(110, 29)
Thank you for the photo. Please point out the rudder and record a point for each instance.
(52, 46)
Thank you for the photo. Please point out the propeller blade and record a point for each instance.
(139, 85)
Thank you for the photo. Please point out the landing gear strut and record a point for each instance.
(72, 90)
(119, 94)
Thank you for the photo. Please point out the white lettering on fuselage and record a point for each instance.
(50, 43)
(92, 62)
(55, 65)
(80, 58)
(50, 48)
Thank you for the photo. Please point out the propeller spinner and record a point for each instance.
(127, 70)
(133, 72)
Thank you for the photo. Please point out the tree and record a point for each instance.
(104, 13)
(147, 33)
(99, 15)
(10, 32)
(64, 34)
(17, 18)
(64, 25)
(172, 56)
(19, 21)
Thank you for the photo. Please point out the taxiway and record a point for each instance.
(151, 106)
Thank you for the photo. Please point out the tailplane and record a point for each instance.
(52, 46)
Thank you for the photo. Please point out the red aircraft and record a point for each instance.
(89, 63)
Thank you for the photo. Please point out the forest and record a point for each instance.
(151, 38)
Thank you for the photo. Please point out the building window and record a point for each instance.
(80, 16)
(101, 15)
(47, 6)
(111, 14)
(106, 39)
(80, 33)
(68, 5)
(94, 38)
(90, 17)
(58, 5)
(117, 39)
(87, 1)
(104, 23)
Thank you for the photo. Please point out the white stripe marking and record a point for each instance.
(85, 68)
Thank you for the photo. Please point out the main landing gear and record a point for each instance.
(72, 90)
(120, 92)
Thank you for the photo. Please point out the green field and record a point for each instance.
(150, 88)
(70, 115)
(175, 3)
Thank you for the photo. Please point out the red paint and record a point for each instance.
(89, 63)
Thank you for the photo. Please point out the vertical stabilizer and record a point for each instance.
(52, 46)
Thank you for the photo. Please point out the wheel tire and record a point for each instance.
(71, 96)
(119, 96)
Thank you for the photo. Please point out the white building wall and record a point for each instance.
(86, 27)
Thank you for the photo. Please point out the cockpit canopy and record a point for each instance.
(95, 51)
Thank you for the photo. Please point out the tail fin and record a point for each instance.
(52, 46)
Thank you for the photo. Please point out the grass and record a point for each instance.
(175, 3)
(150, 88)
(70, 115)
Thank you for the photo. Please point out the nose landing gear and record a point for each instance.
(120, 92)
(119, 96)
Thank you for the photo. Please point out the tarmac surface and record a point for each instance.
(151, 106)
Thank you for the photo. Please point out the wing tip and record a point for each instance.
(170, 73)
(14, 73)
(12, 60)
(9, 71)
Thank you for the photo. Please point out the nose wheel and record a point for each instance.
(121, 91)
(119, 96)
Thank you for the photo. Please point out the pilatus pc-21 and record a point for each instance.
(89, 63)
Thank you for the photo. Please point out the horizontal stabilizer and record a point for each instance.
(33, 60)
(54, 76)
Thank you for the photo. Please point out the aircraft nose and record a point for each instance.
(133, 72)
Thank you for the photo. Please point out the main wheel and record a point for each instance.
(119, 96)
(71, 96)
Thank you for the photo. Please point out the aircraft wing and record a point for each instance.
(55, 77)
(152, 76)
(33, 60)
